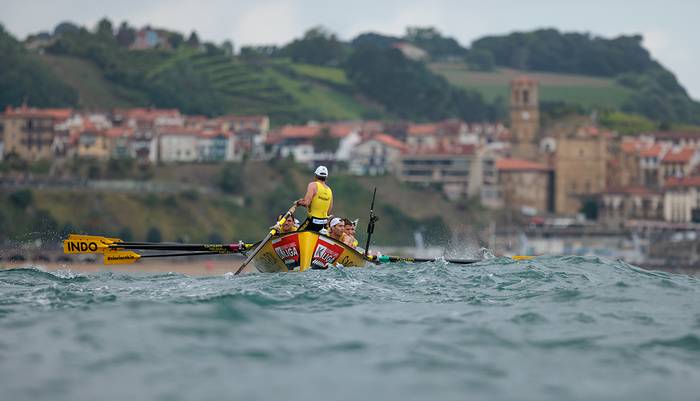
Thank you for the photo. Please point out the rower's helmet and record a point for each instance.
(321, 171)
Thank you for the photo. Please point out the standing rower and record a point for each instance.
(318, 202)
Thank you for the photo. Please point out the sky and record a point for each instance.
(669, 27)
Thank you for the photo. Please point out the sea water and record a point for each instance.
(558, 328)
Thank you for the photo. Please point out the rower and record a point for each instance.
(318, 202)
(349, 234)
(337, 229)
(290, 225)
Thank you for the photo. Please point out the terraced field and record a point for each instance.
(585, 90)
(286, 91)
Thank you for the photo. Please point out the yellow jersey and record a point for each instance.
(321, 202)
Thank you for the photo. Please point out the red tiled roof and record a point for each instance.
(422, 129)
(148, 114)
(31, 112)
(653, 151)
(507, 164)
(678, 182)
(343, 129)
(299, 131)
(631, 146)
(235, 118)
(389, 140)
(118, 132)
(679, 156)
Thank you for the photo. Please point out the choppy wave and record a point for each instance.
(550, 328)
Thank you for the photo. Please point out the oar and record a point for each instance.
(394, 259)
(88, 244)
(128, 257)
(272, 232)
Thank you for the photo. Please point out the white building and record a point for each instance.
(682, 200)
(456, 169)
(216, 146)
(143, 146)
(177, 145)
(377, 155)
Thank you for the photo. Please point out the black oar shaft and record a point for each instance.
(214, 248)
(395, 259)
(168, 255)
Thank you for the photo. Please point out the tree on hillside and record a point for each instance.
(193, 40)
(430, 40)
(125, 35)
(65, 27)
(227, 47)
(105, 28)
(317, 46)
(409, 89)
(376, 40)
(23, 77)
(175, 39)
(480, 60)
(577, 53)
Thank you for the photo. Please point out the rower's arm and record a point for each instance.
(330, 208)
(310, 193)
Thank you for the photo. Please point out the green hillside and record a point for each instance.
(581, 89)
(319, 77)
(202, 213)
(286, 91)
(94, 91)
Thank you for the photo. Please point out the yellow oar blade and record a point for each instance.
(83, 237)
(77, 244)
(121, 257)
(522, 257)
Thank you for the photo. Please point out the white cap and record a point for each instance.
(321, 171)
(336, 221)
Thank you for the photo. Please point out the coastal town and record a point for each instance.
(596, 185)
(572, 169)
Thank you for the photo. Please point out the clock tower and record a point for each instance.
(524, 117)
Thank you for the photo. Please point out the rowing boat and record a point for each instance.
(276, 253)
(303, 250)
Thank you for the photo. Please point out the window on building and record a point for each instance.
(526, 97)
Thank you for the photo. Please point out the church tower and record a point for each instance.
(524, 117)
